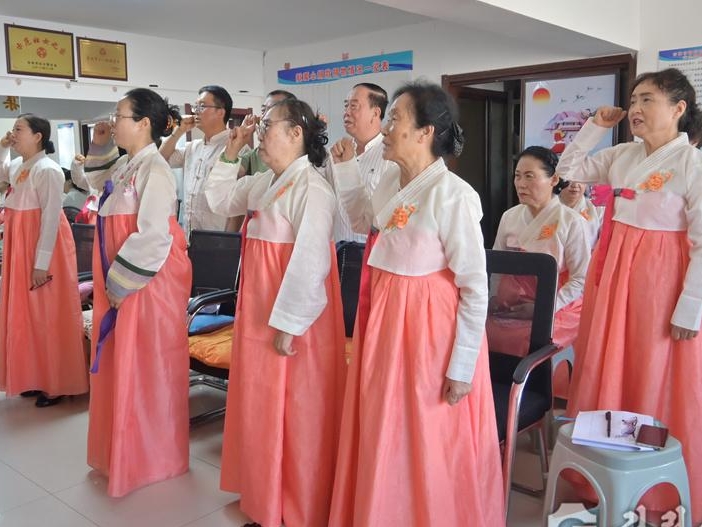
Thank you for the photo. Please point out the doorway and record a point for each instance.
(490, 107)
(487, 116)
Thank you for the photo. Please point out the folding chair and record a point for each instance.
(215, 259)
(71, 213)
(83, 236)
(522, 385)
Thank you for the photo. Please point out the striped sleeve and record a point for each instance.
(125, 278)
(146, 249)
(99, 162)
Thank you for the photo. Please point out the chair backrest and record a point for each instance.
(215, 259)
(543, 269)
(517, 277)
(83, 236)
(71, 213)
(349, 257)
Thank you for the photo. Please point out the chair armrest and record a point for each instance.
(531, 361)
(85, 276)
(207, 299)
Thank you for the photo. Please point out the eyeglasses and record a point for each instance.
(264, 124)
(200, 107)
(115, 116)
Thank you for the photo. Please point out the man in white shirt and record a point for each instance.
(364, 110)
(212, 111)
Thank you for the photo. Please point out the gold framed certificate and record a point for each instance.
(39, 52)
(102, 59)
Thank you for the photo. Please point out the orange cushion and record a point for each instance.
(213, 349)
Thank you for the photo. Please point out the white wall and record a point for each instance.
(178, 68)
(668, 25)
(439, 48)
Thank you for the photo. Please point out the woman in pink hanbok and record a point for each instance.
(418, 439)
(540, 223)
(138, 427)
(576, 197)
(287, 368)
(41, 340)
(638, 348)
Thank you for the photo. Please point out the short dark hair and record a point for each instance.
(148, 103)
(677, 87)
(432, 105)
(549, 161)
(39, 125)
(377, 97)
(221, 97)
(284, 95)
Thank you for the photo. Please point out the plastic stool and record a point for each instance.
(619, 478)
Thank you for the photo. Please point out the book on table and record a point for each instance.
(613, 429)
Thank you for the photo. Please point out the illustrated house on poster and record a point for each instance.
(555, 110)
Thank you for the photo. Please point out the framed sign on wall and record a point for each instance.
(556, 109)
(39, 52)
(102, 59)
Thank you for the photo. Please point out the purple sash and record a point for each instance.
(107, 324)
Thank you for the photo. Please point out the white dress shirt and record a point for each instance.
(371, 166)
(197, 159)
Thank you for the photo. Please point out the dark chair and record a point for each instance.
(522, 385)
(349, 257)
(71, 213)
(215, 261)
(83, 236)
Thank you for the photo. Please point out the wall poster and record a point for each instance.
(555, 110)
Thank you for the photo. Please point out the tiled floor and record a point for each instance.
(45, 481)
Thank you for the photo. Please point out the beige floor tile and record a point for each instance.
(229, 516)
(524, 511)
(206, 442)
(46, 511)
(42, 450)
(46, 445)
(16, 490)
(170, 503)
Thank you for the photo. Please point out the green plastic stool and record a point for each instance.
(619, 478)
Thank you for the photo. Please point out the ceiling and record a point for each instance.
(264, 25)
(253, 24)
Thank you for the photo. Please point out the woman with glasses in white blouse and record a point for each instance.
(287, 366)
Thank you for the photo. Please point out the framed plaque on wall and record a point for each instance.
(102, 59)
(39, 52)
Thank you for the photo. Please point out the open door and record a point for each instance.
(484, 163)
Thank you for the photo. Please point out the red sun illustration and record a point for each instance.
(541, 95)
